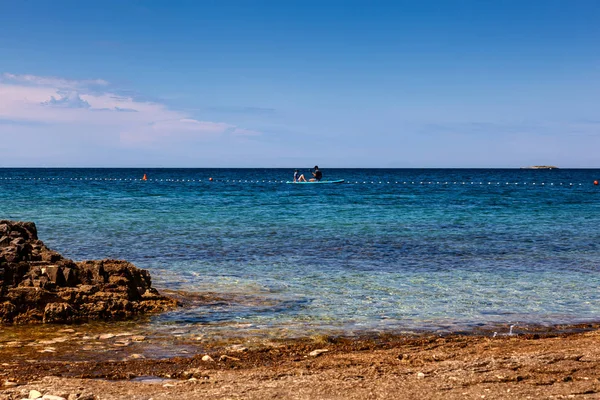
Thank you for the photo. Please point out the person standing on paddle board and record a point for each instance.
(318, 175)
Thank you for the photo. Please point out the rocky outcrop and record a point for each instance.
(38, 285)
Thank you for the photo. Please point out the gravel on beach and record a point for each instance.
(554, 366)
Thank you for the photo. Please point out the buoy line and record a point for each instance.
(211, 180)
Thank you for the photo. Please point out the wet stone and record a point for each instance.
(106, 336)
(124, 334)
(238, 348)
(48, 350)
(225, 357)
(318, 352)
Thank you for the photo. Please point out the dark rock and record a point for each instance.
(51, 256)
(38, 285)
(55, 274)
(70, 275)
(58, 312)
(8, 311)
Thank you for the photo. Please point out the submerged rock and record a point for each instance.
(38, 285)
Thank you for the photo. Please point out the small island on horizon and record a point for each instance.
(540, 167)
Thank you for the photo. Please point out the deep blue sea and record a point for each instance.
(399, 250)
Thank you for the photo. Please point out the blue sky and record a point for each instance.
(299, 83)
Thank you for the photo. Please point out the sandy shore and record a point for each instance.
(528, 366)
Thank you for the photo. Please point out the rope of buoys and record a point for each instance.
(210, 179)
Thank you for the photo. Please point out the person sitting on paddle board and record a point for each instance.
(317, 174)
(296, 175)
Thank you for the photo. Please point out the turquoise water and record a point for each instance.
(392, 250)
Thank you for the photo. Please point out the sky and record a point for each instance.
(402, 84)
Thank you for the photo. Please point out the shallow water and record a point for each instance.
(392, 250)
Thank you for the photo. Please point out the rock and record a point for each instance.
(420, 375)
(8, 311)
(10, 384)
(61, 339)
(105, 336)
(196, 373)
(38, 285)
(48, 350)
(207, 358)
(225, 357)
(55, 274)
(52, 397)
(238, 348)
(318, 352)
(34, 394)
(58, 313)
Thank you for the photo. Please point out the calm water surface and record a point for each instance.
(392, 250)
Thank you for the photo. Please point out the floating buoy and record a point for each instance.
(144, 178)
(596, 183)
(210, 179)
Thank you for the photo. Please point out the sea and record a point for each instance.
(387, 251)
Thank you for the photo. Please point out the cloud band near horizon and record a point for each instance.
(90, 107)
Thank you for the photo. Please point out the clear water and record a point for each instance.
(433, 249)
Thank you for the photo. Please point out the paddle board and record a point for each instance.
(319, 182)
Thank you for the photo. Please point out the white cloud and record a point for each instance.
(68, 100)
(52, 81)
(70, 104)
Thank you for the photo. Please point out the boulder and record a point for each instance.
(38, 285)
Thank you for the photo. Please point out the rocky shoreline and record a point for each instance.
(38, 285)
(555, 366)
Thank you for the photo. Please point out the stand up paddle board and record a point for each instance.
(317, 182)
